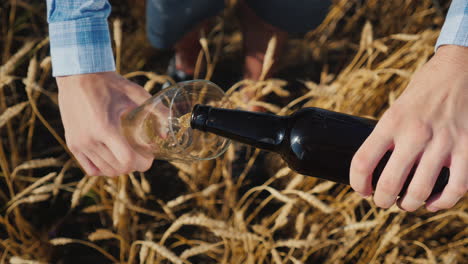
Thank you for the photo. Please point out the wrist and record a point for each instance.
(81, 79)
(453, 54)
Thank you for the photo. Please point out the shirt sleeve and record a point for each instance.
(455, 28)
(79, 36)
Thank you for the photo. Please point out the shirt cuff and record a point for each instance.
(455, 28)
(80, 46)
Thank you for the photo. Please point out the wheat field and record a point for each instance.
(225, 210)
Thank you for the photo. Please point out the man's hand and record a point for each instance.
(427, 125)
(91, 106)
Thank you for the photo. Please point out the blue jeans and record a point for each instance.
(169, 20)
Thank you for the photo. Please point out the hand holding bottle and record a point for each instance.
(91, 106)
(428, 126)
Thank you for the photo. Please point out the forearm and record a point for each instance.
(79, 36)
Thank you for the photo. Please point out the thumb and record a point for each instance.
(137, 94)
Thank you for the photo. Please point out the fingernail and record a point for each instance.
(433, 209)
(410, 203)
(387, 200)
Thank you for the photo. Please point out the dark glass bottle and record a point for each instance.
(312, 141)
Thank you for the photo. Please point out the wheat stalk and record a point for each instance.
(199, 250)
(298, 179)
(117, 26)
(430, 256)
(276, 257)
(83, 187)
(450, 258)
(35, 198)
(35, 164)
(197, 220)
(282, 218)
(20, 260)
(163, 251)
(236, 234)
(11, 112)
(269, 58)
(9, 66)
(204, 193)
(312, 200)
(137, 186)
(102, 234)
(64, 241)
(322, 187)
(31, 187)
(58, 181)
(294, 243)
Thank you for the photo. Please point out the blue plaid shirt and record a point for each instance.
(79, 36)
(80, 41)
(455, 29)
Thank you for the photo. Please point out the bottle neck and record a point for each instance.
(261, 130)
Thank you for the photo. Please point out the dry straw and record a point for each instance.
(312, 200)
(36, 164)
(163, 251)
(31, 187)
(65, 241)
(196, 220)
(203, 248)
(11, 112)
(19, 260)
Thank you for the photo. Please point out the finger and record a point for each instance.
(129, 159)
(143, 163)
(366, 159)
(100, 163)
(109, 157)
(395, 173)
(425, 177)
(138, 94)
(88, 166)
(456, 187)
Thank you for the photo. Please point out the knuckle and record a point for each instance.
(462, 146)
(461, 150)
(86, 143)
(393, 117)
(422, 131)
(360, 165)
(105, 126)
(463, 142)
(444, 140)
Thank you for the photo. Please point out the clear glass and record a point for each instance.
(160, 127)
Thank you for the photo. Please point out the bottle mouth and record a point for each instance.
(199, 117)
(189, 142)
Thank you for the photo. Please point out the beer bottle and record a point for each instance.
(312, 141)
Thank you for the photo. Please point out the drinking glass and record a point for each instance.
(160, 127)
